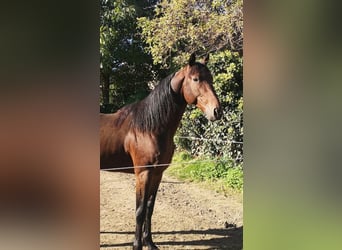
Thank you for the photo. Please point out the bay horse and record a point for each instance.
(141, 135)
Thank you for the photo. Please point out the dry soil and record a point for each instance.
(186, 215)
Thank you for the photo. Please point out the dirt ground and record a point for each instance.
(186, 216)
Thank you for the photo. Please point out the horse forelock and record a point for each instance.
(201, 69)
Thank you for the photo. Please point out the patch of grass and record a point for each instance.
(220, 174)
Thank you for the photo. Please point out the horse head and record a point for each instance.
(195, 83)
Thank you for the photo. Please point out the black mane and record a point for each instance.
(155, 111)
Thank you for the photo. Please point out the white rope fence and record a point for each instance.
(175, 163)
(204, 139)
(158, 165)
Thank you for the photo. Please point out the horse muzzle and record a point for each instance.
(214, 114)
(218, 113)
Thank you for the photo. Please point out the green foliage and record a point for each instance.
(125, 67)
(219, 170)
(234, 178)
(116, 24)
(180, 27)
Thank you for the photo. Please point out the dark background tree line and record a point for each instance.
(143, 41)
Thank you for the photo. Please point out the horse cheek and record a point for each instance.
(189, 96)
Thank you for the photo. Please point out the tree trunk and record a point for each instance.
(105, 89)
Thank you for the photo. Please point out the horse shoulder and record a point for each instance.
(143, 148)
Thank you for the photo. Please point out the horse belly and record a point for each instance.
(118, 161)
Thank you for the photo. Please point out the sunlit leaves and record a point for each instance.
(181, 27)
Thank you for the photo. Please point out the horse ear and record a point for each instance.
(205, 60)
(176, 81)
(192, 59)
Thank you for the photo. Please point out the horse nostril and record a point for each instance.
(217, 113)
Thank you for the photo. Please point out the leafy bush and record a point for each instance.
(234, 178)
(201, 169)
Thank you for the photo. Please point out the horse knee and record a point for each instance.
(140, 213)
(150, 201)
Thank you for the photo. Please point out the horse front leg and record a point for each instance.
(142, 188)
(147, 235)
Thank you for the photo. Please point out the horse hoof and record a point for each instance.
(153, 247)
(137, 246)
(150, 245)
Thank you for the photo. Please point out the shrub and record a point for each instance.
(223, 170)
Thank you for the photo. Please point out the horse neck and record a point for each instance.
(171, 124)
(178, 113)
(161, 111)
(174, 123)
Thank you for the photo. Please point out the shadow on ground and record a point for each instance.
(230, 238)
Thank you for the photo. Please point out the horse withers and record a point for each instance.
(141, 135)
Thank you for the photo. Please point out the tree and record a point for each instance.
(125, 67)
(180, 27)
